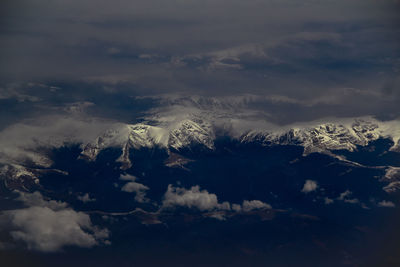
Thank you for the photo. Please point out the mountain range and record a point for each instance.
(202, 131)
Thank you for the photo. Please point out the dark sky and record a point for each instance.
(305, 59)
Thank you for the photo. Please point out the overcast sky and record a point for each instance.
(310, 58)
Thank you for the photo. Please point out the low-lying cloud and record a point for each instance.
(309, 186)
(346, 196)
(134, 187)
(192, 198)
(205, 201)
(386, 204)
(49, 226)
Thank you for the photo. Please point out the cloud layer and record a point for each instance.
(48, 226)
(311, 59)
(44, 229)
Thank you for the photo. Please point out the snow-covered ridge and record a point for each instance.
(330, 136)
(314, 137)
(177, 136)
(176, 131)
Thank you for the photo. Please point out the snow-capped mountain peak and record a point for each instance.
(177, 136)
(177, 133)
(315, 137)
(190, 132)
(329, 136)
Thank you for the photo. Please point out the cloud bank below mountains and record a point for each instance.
(48, 225)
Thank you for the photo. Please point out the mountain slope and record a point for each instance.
(316, 138)
(203, 129)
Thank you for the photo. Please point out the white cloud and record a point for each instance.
(86, 198)
(328, 201)
(192, 198)
(386, 204)
(218, 216)
(352, 201)
(19, 141)
(205, 201)
(50, 225)
(236, 207)
(13, 93)
(36, 199)
(78, 108)
(392, 187)
(44, 229)
(309, 186)
(254, 204)
(134, 187)
(127, 177)
(345, 196)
